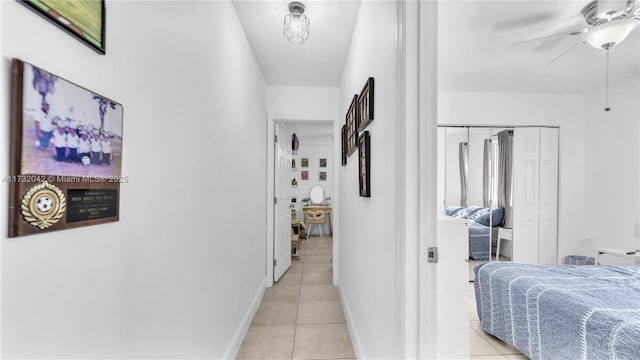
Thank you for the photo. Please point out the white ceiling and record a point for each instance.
(473, 51)
(317, 62)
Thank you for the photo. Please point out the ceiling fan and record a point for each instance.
(609, 22)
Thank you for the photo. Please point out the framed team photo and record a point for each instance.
(66, 153)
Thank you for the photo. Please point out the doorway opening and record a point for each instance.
(302, 163)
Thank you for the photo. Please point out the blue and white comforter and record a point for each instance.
(562, 312)
(479, 243)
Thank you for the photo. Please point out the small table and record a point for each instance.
(630, 254)
(327, 211)
(507, 235)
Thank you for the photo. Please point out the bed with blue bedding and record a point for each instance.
(562, 312)
(480, 223)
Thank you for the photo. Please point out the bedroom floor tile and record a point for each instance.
(478, 345)
(501, 346)
(516, 357)
(488, 357)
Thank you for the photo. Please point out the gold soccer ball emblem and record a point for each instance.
(43, 205)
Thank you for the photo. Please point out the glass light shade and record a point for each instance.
(610, 34)
(296, 28)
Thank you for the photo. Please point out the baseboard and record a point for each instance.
(348, 315)
(241, 332)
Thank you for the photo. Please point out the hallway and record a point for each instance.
(301, 316)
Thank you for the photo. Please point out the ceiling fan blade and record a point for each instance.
(525, 21)
(574, 32)
(564, 52)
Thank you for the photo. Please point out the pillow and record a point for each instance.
(495, 216)
(477, 211)
(457, 211)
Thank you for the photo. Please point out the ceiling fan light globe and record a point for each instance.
(609, 34)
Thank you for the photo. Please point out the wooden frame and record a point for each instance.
(351, 122)
(364, 162)
(365, 105)
(344, 144)
(51, 186)
(323, 162)
(84, 20)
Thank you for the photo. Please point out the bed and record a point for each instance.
(479, 221)
(562, 312)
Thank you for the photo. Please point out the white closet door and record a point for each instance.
(526, 176)
(548, 228)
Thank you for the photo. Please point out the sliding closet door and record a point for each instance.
(548, 229)
(526, 175)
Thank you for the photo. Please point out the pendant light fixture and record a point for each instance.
(296, 24)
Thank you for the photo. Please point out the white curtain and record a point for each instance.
(486, 174)
(505, 175)
(463, 148)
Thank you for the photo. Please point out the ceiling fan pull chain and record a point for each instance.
(607, 108)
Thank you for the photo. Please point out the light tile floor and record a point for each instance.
(301, 316)
(481, 344)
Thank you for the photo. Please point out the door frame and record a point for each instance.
(270, 183)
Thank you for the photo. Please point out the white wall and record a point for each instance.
(613, 167)
(303, 102)
(176, 276)
(512, 109)
(367, 262)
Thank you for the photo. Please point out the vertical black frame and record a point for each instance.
(364, 164)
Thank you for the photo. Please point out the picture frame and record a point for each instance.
(304, 162)
(351, 122)
(364, 162)
(343, 145)
(323, 162)
(304, 175)
(323, 176)
(58, 178)
(84, 20)
(365, 105)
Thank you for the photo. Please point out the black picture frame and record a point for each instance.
(344, 144)
(365, 105)
(351, 122)
(364, 162)
(72, 19)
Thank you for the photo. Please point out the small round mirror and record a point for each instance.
(316, 194)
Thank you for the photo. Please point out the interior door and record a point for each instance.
(282, 210)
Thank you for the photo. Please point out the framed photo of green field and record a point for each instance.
(83, 19)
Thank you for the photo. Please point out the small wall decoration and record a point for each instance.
(364, 161)
(66, 154)
(344, 144)
(352, 126)
(365, 105)
(304, 162)
(85, 20)
(323, 176)
(304, 175)
(323, 162)
(293, 163)
(295, 143)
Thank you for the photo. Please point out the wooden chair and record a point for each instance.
(314, 217)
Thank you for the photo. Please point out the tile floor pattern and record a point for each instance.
(301, 316)
(481, 344)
